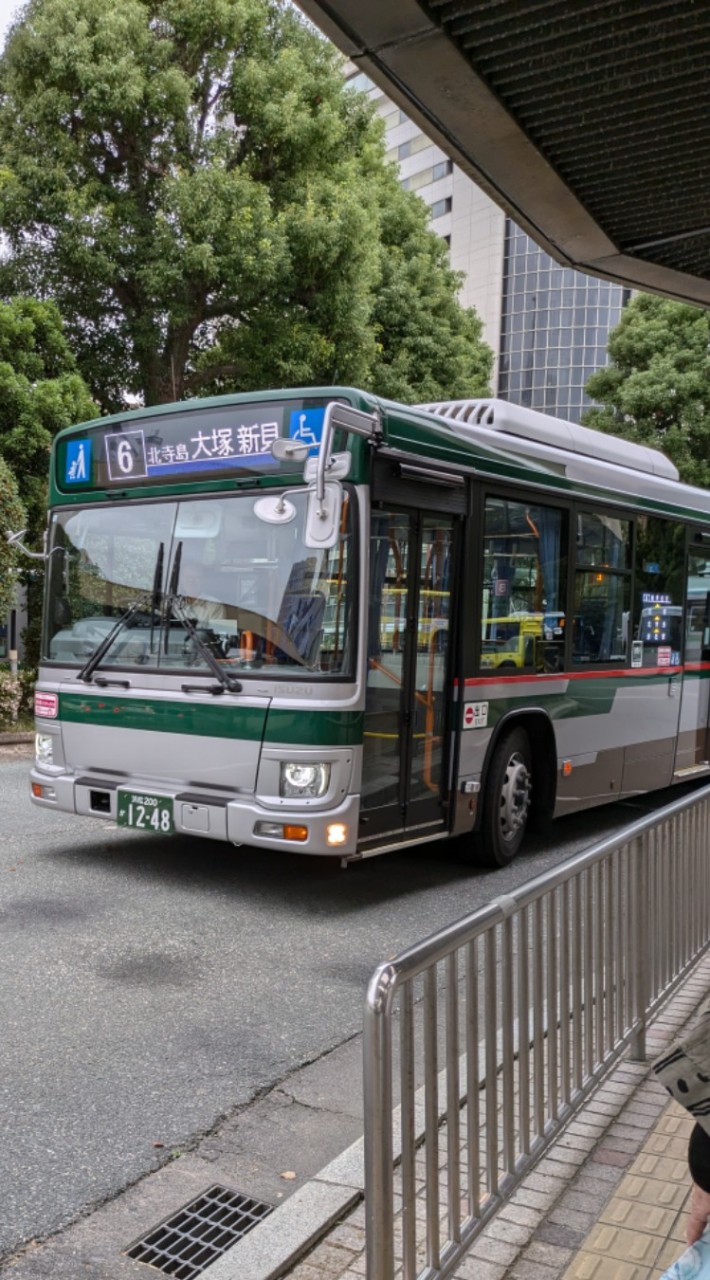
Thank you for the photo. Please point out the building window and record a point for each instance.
(412, 145)
(361, 82)
(442, 169)
(417, 180)
(558, 320)
(440, 207)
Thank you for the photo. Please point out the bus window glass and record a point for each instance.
(602, 588)
(697, 617)
(101, 563)
(601, 611)
(659, 588)
(524, 573)
(603, 541)
(255, 594)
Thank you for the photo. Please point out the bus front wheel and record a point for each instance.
(506, 802)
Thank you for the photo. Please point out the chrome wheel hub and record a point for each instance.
(514, 797)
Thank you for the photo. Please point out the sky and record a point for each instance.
(8, 9)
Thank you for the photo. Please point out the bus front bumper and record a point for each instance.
(328, 832)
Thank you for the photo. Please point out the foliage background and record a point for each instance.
(209, 206)
(656, 390)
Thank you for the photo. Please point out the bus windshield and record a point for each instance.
(253, 594)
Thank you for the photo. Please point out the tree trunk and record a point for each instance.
(164, 372)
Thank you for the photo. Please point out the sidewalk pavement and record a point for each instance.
(607, 1201)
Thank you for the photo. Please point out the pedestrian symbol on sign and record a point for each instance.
(77, 468)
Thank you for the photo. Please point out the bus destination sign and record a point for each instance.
(229, 440)
(131, 455)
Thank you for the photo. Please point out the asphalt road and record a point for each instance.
(148, 986)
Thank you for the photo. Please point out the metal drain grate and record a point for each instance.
(200, 1232)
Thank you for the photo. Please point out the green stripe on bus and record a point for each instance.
(302, 727)
(306, 728)
(581, 698)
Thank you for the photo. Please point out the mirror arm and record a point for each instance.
(15, 541)
(353, 420)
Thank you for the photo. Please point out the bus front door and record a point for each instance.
(406, 733)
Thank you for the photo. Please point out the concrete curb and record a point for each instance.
(277, 1243)
(10, 739)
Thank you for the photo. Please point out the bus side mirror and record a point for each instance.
(323, 516)
(286, 450)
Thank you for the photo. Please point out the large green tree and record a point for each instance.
(656, 389)
(416, 342)
(41, 391)
(203, 196)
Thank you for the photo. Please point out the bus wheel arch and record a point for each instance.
(518, 791)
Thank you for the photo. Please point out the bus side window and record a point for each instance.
(602, 588)
(660, 588)
(524, 576)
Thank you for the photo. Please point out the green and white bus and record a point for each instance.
(273, 620)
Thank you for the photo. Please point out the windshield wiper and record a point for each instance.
(177, 610)
(171, 595)
(156, 597)
(95, 658)
(173, 607)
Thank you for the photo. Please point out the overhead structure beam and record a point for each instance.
(586, 122)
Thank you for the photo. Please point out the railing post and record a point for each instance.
(640, 907)
(631, 948)
(377, 1099)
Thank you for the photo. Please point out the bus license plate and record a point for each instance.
(145, 812)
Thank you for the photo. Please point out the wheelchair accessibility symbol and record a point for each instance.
(306, 425)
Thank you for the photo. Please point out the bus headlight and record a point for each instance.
(44, 748)
(303, 779)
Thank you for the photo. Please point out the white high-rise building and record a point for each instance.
(547, 325)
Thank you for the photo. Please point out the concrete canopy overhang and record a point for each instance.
(586, 120)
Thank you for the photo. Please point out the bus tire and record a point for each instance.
(506, 801)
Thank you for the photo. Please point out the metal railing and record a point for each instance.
(507, 1021)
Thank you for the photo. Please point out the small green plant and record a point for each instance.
(10, 699)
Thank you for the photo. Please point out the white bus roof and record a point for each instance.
(467, 417)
